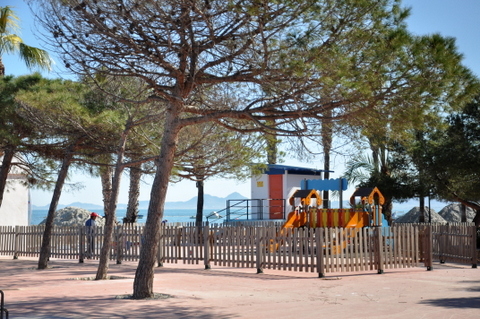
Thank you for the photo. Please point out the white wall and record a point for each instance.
(15, 206)
(293, 181)
(259, 190)
(259, 187)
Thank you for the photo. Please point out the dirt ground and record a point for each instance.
(62, 291)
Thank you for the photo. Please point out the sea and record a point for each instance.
(188, 215)
(170, 215)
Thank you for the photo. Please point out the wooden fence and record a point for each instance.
(454, 243)
(320, 250)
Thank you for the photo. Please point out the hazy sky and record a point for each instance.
(455, 18)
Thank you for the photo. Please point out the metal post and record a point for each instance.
(474, 246)
(2, 306)
(227, 216)
(340, 189)
(429, 209)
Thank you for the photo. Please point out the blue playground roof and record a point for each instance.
(277, 169)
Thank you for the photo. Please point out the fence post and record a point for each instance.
(474, 246)
(443, 240)
(206, 246)
(16, 243)
(120, 243)
(320, 262)
(379, 249)
(260, 249)
(428, 244)
(160, 251)
(81, 244)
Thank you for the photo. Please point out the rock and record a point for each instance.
(452, 213)
(73, 216)
(413, 216)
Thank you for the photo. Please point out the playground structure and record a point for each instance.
(366, 211)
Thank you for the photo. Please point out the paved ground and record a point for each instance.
(449, 291)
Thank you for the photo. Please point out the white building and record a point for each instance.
(278, 183)
(15, 209)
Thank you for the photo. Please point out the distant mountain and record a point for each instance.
(400, 209)
(210, 202)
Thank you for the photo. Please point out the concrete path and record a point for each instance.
(449, 291)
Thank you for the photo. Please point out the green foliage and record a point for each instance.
(452, 156)
(13, 127)
(208, 150)
(390, 178)
(56, 105)
(11, 43)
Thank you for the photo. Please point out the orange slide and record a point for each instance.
(358, 220)
(295, 219)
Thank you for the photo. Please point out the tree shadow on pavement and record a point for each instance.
(473, 302)
(109, 307)
(219, 272)
(474, 289)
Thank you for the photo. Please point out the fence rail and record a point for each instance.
(321, 250)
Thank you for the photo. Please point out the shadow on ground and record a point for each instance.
(221, 273)
(59, 308)
(473, 302)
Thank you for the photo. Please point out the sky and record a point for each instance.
(454, 18)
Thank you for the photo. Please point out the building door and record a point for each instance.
(275, 193)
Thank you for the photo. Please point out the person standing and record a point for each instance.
(90, 226)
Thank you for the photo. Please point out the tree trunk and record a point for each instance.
(387, 209)
(463, 214)
(272, 149)
(47, 234)
(272, 144)
(476, 219)
(473, 206)
(103, 264)
(143, 283)
(200, 201)
(326, 175)
(421, 217)
(327, 138)
(2, 67)
(106, 179)
(8, 153)
(133, 195)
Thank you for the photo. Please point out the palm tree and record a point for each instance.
(11, 43)
(374, 171)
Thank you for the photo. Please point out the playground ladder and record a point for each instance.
(2, 308)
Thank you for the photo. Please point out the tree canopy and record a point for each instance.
(452, 158)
